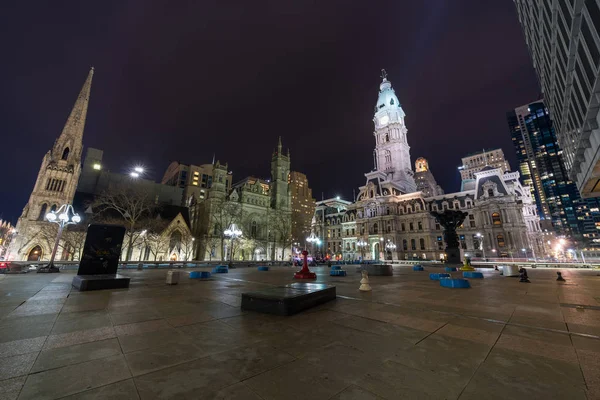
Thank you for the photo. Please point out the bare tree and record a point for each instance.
(130, 205)
(187, 245)
(225, 214)
(281, 224)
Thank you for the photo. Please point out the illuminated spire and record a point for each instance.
(71, 137)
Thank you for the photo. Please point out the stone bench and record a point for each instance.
(377, 269)
(220, 269)
(263, 268)
(199, 275)
(337, 272)
(455, 283)
(336, 267)
(437, 277)
(473, 275)
(289, 299)
(450, 269)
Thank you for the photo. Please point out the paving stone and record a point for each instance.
(298, 380)
(61, 356)
(78, 337)
(13, 366)
(124, 390)
(354, 392)
(185, 381)
(61, 382)
(22, 346)
(141, 327)
(10, 388)
(248, 361)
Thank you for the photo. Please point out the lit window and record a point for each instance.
(97, 166)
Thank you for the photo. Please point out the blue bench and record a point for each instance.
(418, 267)
(335, 268)
(199, 275)
(472, 274)
(263, 268)
(437, 277)
(450, 269)
(220, 269)
(337, 272)
(455, 283)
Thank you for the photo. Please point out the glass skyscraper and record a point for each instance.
(541, 165)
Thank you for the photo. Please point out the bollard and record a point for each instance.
(172, 277)
(496, 268)
(364, 282)
(305, 273)
(559, 277)
(140, 266)
(523, 275)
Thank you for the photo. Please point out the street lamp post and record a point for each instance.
(361, 245)
(313, 239)
(480, 237)
(390, 247)
(233, 232)
(64, 216)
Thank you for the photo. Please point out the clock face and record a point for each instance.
(384, 120)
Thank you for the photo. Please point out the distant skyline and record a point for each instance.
(181, 82)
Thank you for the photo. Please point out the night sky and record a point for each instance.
(186, 79)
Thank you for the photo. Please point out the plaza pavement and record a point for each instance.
(407, 339)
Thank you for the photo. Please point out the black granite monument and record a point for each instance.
(100, 259)
(450, 220)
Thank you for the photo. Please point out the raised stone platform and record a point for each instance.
(377, 269)
(100, 282)
(289, 299)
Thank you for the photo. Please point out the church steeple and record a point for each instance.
(56, 182)
(68, 146)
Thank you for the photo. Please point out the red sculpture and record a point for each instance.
(305, 273)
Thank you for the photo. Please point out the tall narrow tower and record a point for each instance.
(392, 153)
(280, 170)
(55, 184)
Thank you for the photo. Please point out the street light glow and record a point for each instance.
(134, 174)
(139, 170)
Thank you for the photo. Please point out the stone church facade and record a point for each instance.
(391, 215)
(260, 208)
(55, 185)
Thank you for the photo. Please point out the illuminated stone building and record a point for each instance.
(390, 218)
(303, 206)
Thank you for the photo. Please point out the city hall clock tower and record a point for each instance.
(392, 152)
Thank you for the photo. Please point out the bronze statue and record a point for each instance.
(450, 220)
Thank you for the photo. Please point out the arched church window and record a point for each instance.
(491, 192)
(175, 242)
(65, 154)
(387, 137)
(413, 244)
(42, 215)
(53, 208)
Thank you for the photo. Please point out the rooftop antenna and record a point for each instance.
(322, 196)
(353, 195)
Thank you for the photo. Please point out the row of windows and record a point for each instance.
(55, 185)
